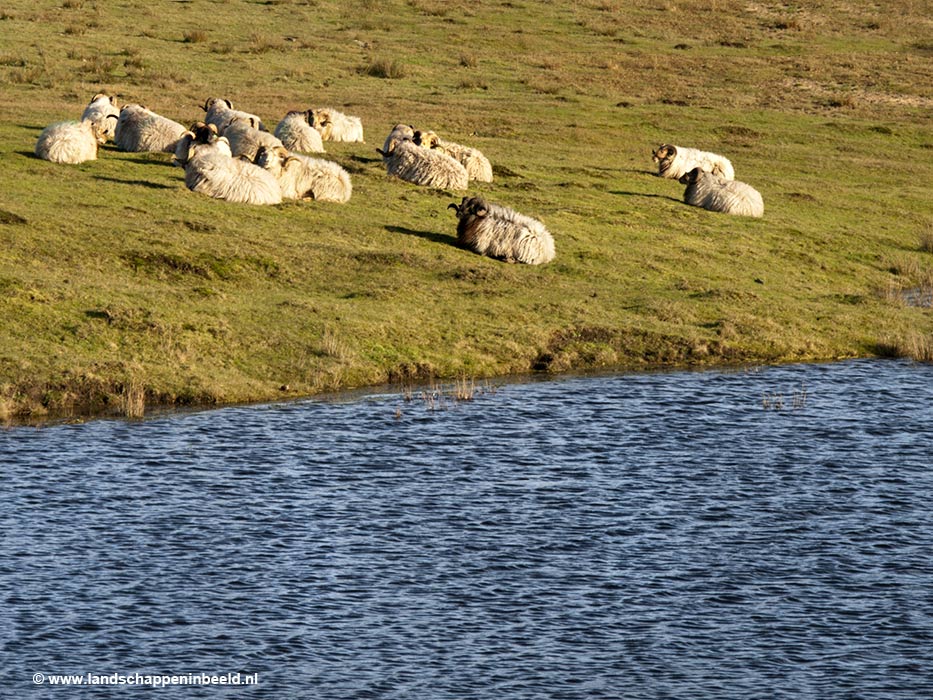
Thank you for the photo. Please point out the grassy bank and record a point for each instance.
(119, 287)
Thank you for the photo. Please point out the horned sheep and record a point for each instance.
(139, 129)
(220, 112)
(71, 141)
(211, 169)
(336, 126)
(296, 134)
(423, 166)
(477, 165)
(304, 177)
(502, 233)
(718, 194)
(245, 139)
(676, 161)
(99, 110)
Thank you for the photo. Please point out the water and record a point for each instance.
(753, 534)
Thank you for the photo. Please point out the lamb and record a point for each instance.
(502, 233)
(99, 110)
(718, 194)
(220, 113)
(71, 141)
(423, 166)
(139, 129)
(296, 134)
(304, 177)
(211, 169)
(477, 165)
(245, 139)
(336, 126)
(676, 161)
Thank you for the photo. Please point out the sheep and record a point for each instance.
(296, 134)
(139, 129)
(399, 132)
(220, 113)
(211, 169)
(98, 111)
(304, 177)
(718, 194)
(477, 165)
(245, 139)
(422, 166)
(200, 134)
(676, 161)
(335, 126)
(502, 233)
(71, 141)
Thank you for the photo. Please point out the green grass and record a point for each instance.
(117, 283)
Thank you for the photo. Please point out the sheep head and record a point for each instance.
(691, 177)
(319, 117)
(470, 206)
(663, 152)
(272, 159)
(211, 101)
(428, 139)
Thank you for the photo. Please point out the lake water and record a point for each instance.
(765, 533)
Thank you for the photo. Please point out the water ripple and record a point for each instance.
(753, 534)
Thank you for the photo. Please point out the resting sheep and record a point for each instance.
(139, 129)
(99, 110)
(71, 142)
(335, 126)
(220, 113)
(477, 165)
(245, 139)
(676, 161)
(422, 166)
(211, 169)
(304, 177)
(718, 194)
(502, 233)
(296, 134)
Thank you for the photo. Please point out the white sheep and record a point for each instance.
(99, 110)
(304, 177)
(296, 134)
(211, 169)
(477, 165)
(718, 194)
(423, 166)
(71, 141)
(502, 233)
(676, 161)
(245, 139)
(336, 126)
(139, 130)
(399, 132)
(220, 113)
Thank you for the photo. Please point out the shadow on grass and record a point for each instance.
(646, 194)
(136, 183)
(427, 235)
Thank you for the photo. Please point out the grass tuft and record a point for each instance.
(390, 69)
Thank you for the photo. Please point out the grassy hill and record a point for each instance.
(118, 285)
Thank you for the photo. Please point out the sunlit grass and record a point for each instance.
(119, 286)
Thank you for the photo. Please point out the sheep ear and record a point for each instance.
(252, 123)
(481, 211)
